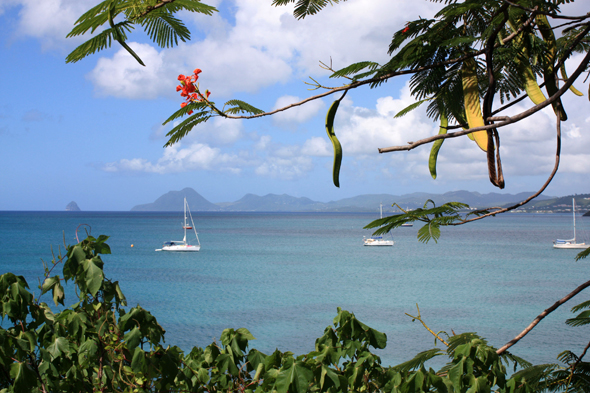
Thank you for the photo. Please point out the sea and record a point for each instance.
(283, 276)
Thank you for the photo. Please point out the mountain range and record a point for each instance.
(173, 201)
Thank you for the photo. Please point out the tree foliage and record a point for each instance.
(100, 344)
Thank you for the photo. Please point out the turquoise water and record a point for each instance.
(283, 275)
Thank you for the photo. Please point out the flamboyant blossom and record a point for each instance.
(190, 90)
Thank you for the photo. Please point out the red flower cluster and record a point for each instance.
(189, 90)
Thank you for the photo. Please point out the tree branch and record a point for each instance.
(382, 78)
(543, 315)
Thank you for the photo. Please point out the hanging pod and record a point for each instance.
(335, 142)
(472, 104)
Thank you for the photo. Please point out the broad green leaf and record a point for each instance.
(24, 377)
(138, 362)
(94, 276)
(58, 347)
(294, 378)
(133, 338)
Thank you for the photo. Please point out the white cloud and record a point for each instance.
(316, 146)
(123, 76)
(284, 168)
(298, 114)
(266, 46)
(177, 159)
(48, 20)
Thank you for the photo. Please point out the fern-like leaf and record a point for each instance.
(97, 43)
(304, 8)
(193, 106)
(241, 107)
(418, 360)
(91, 19)
(583, 254)
(181, 130)
(164, 29)
(355, 68)
(410, 108)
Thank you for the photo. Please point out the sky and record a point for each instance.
(91, 132)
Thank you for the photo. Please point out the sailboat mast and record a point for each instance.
(574, 212)
(184, 226)
(381, 209)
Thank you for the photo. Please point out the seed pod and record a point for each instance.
(444, 122)
(472, 104)
(335, 142)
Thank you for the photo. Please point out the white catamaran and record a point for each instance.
(377, 240)
(183, 245)
(570, 243)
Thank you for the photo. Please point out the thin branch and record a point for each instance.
(541, 316)
(381, 78)
(551, 14)
(419, 318)
(551, 176)
(573, 368)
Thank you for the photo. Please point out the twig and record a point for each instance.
(419, 317)
(543, 315)
(549, 179)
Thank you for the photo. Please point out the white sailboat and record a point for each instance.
(377, 240)
(183, 245)
(571, 243)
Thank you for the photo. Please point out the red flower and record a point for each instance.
(182, 105)
(190, 112)
(404, 31)
(197, 71)
(181, 77)
(178, 88)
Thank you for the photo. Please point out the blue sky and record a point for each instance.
(92, 131)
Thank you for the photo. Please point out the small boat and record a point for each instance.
(377, 240)
(183, 245)
(571, 243)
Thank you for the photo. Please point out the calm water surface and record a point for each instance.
(282, 276)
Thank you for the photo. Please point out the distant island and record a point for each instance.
(173, 201)
(72, 207)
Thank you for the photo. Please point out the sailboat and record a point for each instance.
(183, 245)
(571, 243)
(377, 240)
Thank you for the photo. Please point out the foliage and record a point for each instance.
(155, 17)
(98, 344)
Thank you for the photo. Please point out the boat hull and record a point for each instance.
(180, 248)
(578, 246)
(371, 242)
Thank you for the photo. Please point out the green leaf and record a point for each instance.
(133, 338)
(355, 69)
(94, 275)
(304, 8)
(295, 377)
(59, 346)
(241, 107)
(410, 108)
(181, 130)
(24, 377)
(138, 362)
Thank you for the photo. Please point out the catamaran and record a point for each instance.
(183, 245)
(377, 240)
(571, 243)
